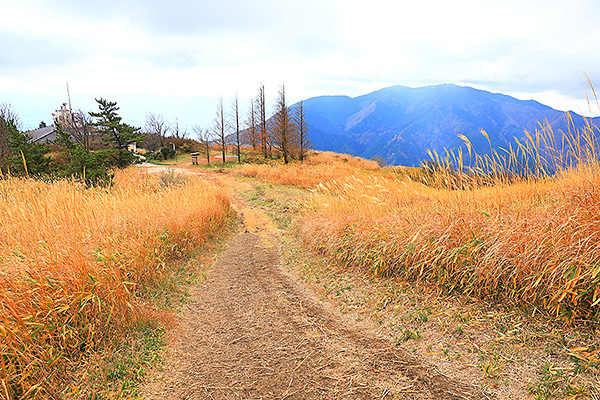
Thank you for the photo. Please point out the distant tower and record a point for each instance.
(63, 115)
(69, 97)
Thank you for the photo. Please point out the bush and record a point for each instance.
(92, 167)
(167, 152)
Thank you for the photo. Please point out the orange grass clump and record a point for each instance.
(319, 167)
(531, 244)
(74, 261)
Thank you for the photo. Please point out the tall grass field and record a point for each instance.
(320, 167)
(76, 264)
(522, 230)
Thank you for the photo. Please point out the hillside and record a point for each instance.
(342, 280)
(400, 123)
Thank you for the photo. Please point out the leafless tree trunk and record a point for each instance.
(262, 113)
(283, 127)
(237, 129)
(302, 129)
(220, 128)
(252, 130)
(204, 138)
(177, 133)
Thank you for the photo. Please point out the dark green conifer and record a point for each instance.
(115, 134)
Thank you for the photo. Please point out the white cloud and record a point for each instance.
(180, 53)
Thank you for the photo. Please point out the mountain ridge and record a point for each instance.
(399, 124)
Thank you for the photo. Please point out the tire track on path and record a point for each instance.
(252, 332)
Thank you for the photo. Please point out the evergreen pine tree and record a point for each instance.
(115, 134)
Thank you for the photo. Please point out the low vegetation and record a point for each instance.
(319, 168)
(80, 267)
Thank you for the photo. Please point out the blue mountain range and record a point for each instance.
(399, 124)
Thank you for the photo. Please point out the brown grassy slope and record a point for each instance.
(75, 264)
(530, 244)
(527, 243)
(320, 167)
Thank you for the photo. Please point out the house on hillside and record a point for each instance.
(45, 134)
(79, 128)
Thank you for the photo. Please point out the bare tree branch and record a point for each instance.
(284, 130)
(157, 129)
(204, 137)
(261, 105)
(219, 128)
(302, 129)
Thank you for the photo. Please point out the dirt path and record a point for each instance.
(253, 332)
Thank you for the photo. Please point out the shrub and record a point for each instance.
(167, 152)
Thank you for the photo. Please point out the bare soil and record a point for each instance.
(253, 330)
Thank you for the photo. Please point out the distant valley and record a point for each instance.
(399, 124)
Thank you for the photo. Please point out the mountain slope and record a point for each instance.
(400, 123)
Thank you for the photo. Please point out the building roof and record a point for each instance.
(42, 135)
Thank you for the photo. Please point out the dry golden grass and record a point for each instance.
(76, 262)
(520, 230)
(542, 154)
(320, 167)
(530, 244)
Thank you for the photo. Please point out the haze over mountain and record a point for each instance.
(399, 124)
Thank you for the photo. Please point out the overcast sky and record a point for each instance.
(178, 57)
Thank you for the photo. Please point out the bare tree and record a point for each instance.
(178, 133)
(237, 128)
(156, 129)
(220, 128)
(283, 127)
(302, 130)
(252, 130)
(79, 125)
(261, 105)
(203, 136)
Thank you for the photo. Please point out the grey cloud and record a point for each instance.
(202, 32)
(174, 59)
(23, 52)
(184, 17)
